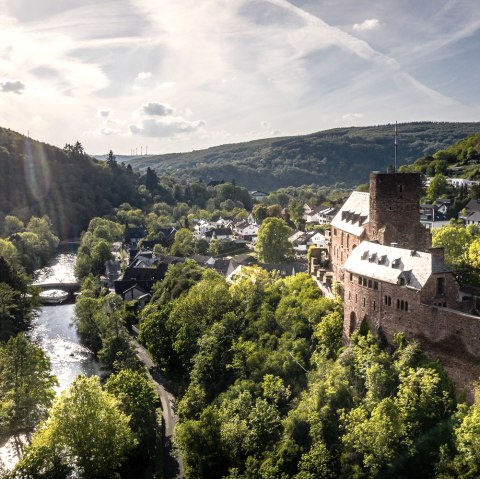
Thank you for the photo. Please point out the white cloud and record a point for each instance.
(302, 68)
(144, 75)
(157, 109)
(166, 84)
(369, 24)
(352, 116)
(12, 87)
(165, 127)
(109, 131)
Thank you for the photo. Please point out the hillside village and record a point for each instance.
(375, 251)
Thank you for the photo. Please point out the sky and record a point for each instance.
(182, 75)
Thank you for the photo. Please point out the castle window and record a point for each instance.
(348, 236)
(401, 281)
(375, 285)
(385, 299)
(351, 277)
(356, 297)
(400, 188)
(359, 280)
(402, 305)
(406, 305)
(370, 283)
(440, 285)
(389, 300)
(349, 295)
(444, 305)
(364, 281)
(398, 304)
(374, 306)
(364, 302)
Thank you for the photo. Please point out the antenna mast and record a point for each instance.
(396, 147)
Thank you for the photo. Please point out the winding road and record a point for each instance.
(173, 462)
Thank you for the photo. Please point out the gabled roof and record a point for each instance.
(473, 205)
(386, 263)
(353, 214)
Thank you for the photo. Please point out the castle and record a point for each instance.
(382, 262)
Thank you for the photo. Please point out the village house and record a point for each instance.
(258, 195)
(246, 231)
(433, 216)
(471, 213)
(301, 242)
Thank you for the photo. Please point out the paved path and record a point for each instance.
(173, 465)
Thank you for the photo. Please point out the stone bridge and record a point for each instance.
(69, 288)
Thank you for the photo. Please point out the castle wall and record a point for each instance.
(443, 333)
(342, 244)
(430, 316)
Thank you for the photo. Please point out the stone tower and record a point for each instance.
(394, 215)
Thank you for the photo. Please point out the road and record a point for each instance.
(173, 464)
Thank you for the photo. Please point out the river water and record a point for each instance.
(54, 331)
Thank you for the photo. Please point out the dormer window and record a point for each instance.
(401, 281)
(365, 255)
(396, 263)
(381, 259)
(372, 257)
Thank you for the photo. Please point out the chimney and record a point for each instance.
(438, 253)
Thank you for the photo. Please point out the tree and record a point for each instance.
(13, 225)
(151, 180)
(111, 160)
(456, 241)
(272, 244)
(86, 432)
(101, 253)
(473, 254)
(26, 386)
(438, 187)
(9, 252)
(259, 213)
(183, 244)
(138, 400)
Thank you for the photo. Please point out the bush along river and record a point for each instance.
(55, 332)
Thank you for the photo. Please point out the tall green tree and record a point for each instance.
(272, 243)
(26, 386)
(111, 160)
(85, 433)
(137, 398)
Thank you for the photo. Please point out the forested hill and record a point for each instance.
(340, 155)
(67, 185)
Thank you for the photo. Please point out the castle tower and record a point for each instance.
(394, 215)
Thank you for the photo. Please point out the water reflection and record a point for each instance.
(60, 270)
(54, 331)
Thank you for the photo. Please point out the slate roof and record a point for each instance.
(353, 214)
(388, 264)
(473, 205)
(475, 216)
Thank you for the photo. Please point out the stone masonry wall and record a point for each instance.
(394, 202)
(443, 333)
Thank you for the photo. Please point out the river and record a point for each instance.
(53, 329)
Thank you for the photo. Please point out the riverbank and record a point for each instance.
(53, 329)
